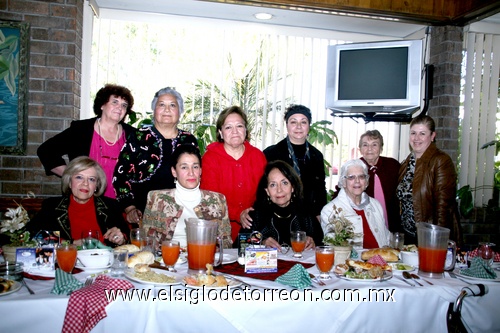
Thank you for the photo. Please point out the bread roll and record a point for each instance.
(386, 253)
(130, 247)
(143, 257)
(142, 268)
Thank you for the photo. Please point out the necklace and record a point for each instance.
(108, 143)
(282, 217)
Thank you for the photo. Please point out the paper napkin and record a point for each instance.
(65, 283)
(296, 277)
(479, 269)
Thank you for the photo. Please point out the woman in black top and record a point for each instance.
(279, 207)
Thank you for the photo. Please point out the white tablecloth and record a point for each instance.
(409, 309)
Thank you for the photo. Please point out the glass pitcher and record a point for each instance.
(433, 244)
(201, 244)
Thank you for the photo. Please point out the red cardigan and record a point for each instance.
(236, 179)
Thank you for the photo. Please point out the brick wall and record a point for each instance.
(446, 55)
(54, 86)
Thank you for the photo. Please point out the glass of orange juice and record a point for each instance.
(138, 237)
(324, 261)
(298, 240)
(66, 257)
(170, 251)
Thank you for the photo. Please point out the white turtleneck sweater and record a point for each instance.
(187, 198)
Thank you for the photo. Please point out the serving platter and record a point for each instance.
(130, 274)
(15, 287)
(387, 275)
(457, 272)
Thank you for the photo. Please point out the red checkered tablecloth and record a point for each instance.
(86, 306)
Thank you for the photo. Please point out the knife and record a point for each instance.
(400, 278)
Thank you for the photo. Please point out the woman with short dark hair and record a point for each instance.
(101, 138)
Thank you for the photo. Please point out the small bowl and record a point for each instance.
(11, 270)
(410, 258)
(95, 258)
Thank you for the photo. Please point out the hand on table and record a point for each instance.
(115, 235)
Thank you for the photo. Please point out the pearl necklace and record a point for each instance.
(117, 134)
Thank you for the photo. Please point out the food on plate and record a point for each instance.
(142, 268)
(131, 248)
(208, 279)
(366, 265)
(151, 276)
(361, 270)
(5, 285)
(143, 257)
(386, 253)
(410, 248)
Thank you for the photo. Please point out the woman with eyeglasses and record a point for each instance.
(145, 161)
(101, 138)
(365, 212)
(279, 208)
(82, 207)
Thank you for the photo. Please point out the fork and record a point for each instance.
(315, 279)
(88, 281)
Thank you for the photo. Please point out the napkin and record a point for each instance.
(65, 283)
(296, 277)
(86, 307)
(377, 260)
(479, 269)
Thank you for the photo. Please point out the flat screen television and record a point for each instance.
(375, 77)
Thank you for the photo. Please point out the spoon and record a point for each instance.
(416, 277)
(408, 276)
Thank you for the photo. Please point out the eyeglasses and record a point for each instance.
(354, 177)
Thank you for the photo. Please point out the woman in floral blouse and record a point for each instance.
(167, 210)
(144, 162)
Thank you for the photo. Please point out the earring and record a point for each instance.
(175, 180)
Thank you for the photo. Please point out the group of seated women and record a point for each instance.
(157, 180)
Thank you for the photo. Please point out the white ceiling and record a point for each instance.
(291, 18)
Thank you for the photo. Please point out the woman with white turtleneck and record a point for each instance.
(167, 210)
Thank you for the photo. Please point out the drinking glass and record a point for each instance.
(325, 256)
(66, 257)
(485, 252)
(138, 237)
(397, 240)
(170, 251)
(298, 240)
(90, 239)
(120, 261)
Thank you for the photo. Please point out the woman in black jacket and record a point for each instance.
(279, 207)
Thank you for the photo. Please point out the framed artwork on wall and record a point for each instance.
(14, 64)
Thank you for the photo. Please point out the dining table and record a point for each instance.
(254, 304)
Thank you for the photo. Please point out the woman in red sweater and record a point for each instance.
(233, 167)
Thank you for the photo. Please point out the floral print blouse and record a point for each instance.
(162, 213)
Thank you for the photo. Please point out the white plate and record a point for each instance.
(182, 259)
(387, 275)
(91, 269)
(15, 287)
(226, 258)
(232, 283)
(130, 274)
(408, 269)
(457, 272)
(42, 272)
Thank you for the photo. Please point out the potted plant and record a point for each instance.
(340, 233)
(14, 227)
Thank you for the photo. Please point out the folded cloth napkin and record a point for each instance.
(296, 277)
(86, 307)
(479, 269)
(65, 283)
(377, 260)
(102, 246)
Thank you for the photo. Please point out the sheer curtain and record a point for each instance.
(480, 111)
